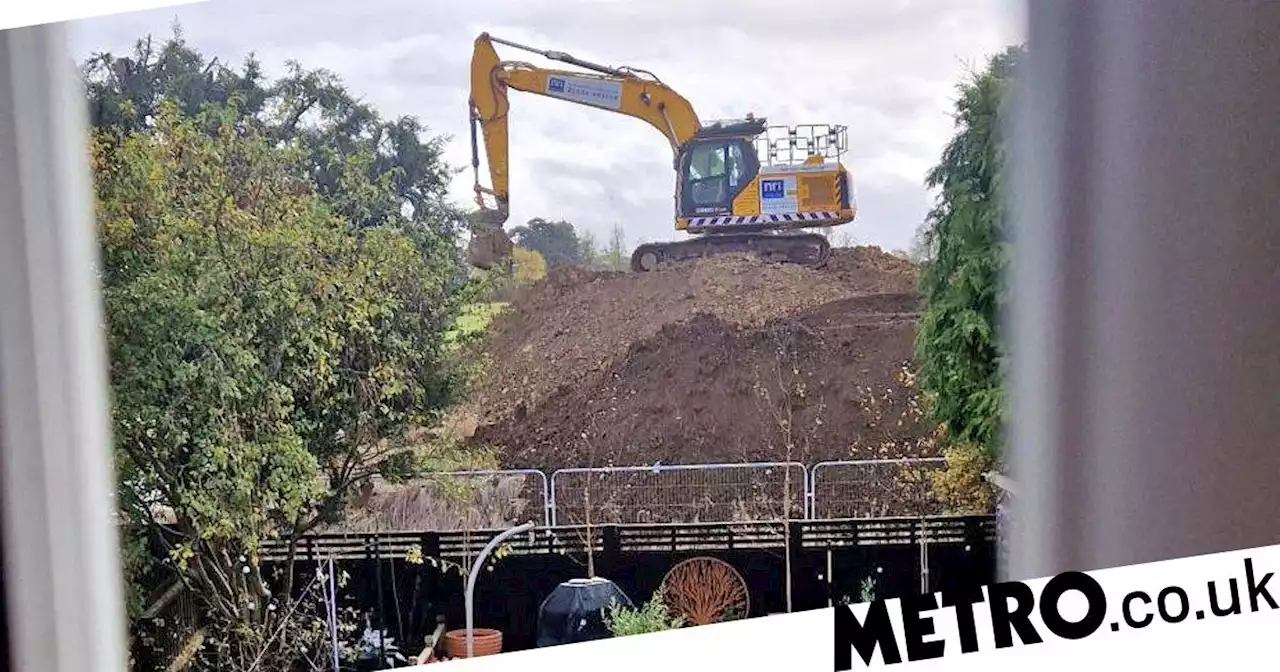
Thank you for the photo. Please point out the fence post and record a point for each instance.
(377, 574)
(612, 548)
(806, 506)
(551, 499)
(795, 547)
(923, 540)
(547, 504)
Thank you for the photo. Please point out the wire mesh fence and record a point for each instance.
(697, 493)
(703, 493)
(463, 500)
(874, 489)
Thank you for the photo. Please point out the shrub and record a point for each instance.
(654, 616)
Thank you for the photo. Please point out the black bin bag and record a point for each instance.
(573, 612)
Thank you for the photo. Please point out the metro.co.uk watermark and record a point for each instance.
(1009, 606)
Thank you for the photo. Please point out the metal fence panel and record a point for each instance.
(694, 493)
(874, 488)
(702, 493)
(460, 500)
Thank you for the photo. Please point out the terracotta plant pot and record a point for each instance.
(487, 642)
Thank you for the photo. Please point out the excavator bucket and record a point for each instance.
(490, 246)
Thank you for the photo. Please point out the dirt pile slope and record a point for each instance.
(722, 360)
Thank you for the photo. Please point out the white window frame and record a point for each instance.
(1146, 193)
(62, 560)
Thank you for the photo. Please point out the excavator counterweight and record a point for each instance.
(742, 186)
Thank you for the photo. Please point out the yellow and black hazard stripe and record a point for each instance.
(709, 222)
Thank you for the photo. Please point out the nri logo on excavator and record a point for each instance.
(773, 189)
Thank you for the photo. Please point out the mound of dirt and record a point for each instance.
(726, 359)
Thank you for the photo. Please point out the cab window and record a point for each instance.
(707, 162)
(735, 165)
(715, 171)
(706, 173)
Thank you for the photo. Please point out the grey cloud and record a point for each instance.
(889, 214)
(639, 195)
(887, 69)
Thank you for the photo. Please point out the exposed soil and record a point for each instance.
(728, 359)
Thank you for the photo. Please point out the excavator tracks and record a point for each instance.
(805, 249)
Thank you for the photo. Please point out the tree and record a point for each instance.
(266, 356)
(557, 241)
(280, 265)
(588, 253)
(959, 345)
(528, 267)
(615, 256)
(919, 250)
(374, 171)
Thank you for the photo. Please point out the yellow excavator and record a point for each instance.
(742, 186)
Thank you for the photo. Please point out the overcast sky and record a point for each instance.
(885, 68)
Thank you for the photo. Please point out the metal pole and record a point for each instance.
(475, 574)
(377, 574)
(924, 558)
(551, 497)
(831, 581)
(333, 613)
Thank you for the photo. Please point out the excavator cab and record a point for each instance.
(722, 175)
(715, 167)
(746, 187)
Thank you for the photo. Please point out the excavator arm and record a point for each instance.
(634, 93)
